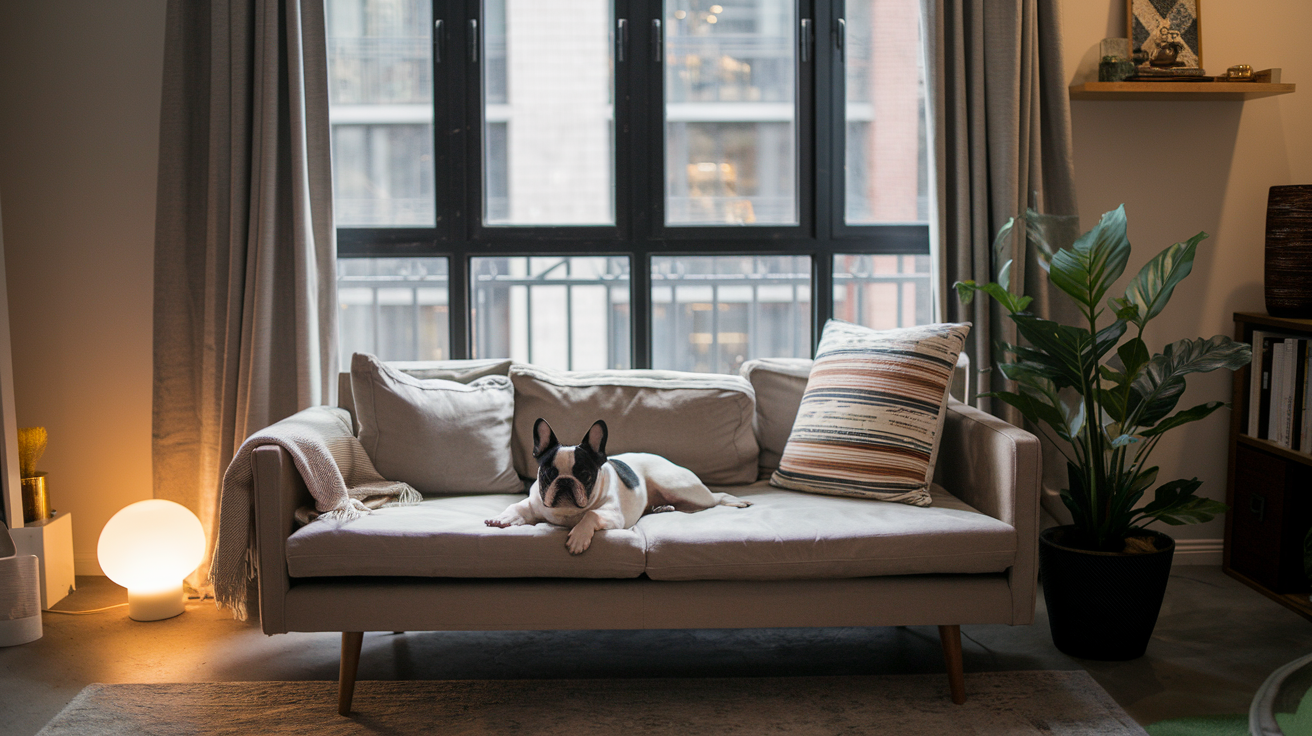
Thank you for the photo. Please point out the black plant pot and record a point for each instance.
(1103, 605)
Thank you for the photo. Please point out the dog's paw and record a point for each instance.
(661, 509)
(577, 544)
(501, 522)
(724, 499)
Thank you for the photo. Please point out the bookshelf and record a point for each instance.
(1268, 488)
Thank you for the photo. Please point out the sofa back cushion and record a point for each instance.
(698, 420)
(437, 435)
(779, 384)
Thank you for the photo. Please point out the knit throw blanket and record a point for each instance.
(337, 471)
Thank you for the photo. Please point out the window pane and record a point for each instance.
(395, 308)
(557, 312)
(548, 87)
(712, 313)
(381, 111)
(730, 112)
(882, 292)
(887, 158)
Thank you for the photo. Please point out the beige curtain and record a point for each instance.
(245, 298)
(1002, 145)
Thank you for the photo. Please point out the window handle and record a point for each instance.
(621, 38)
(656, 40)
(806, 40)
(437, 41)
(473, 41)
(842, 39)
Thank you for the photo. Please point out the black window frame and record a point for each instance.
(639, 231)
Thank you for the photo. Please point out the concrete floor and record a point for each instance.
(1216, 641)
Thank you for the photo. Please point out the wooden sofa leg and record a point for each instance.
(351, 641)
(951, 638)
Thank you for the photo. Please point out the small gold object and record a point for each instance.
(1239, 73)
(36, 502)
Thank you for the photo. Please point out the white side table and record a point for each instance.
(51, 541)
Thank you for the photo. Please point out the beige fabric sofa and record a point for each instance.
(791, 560)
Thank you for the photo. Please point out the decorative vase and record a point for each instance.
(1288, 282)
(36, 502)
(1103, 605)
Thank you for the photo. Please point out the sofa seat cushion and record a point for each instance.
(786, 534)
(446, 537)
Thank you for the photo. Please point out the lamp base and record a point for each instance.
(155, 605)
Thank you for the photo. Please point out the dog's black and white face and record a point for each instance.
(568, 474)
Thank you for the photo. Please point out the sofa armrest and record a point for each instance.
(279, 491)
(997, 468)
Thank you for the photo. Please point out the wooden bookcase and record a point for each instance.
(1268, 489)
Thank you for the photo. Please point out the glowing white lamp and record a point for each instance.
(148, 548)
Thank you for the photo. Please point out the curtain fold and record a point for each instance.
(1002, 146)
(245, 270)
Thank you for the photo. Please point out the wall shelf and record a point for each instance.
(1178, 91)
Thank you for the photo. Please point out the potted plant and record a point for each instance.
(1108, 401)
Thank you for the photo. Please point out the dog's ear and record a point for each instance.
(595, 439)
(543, 438)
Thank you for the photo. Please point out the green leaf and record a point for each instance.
(1161, 382)
(1107, 338)
(1176, 504)
(1113, 401)
(1124, 439)
(1011, 302)
(1066, 348)
(1087, 269)
(1188, 415)
(1151, 289)
(1133, 355)
(1035, 409)
(1123, 309)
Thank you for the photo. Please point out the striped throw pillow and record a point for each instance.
(872, 413)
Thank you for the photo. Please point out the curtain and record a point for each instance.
(1002, 144)
(245, 297)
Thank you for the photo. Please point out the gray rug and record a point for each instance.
(997, 703)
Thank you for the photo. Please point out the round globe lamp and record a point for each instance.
(148, 548)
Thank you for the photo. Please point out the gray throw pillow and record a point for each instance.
(439, 436)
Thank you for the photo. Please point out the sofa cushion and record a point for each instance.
(701, 421)
(779, 384)
(786, 534)
(873, 411)
(446, 537)
(439, 436)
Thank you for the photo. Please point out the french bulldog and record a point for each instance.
(579, 487)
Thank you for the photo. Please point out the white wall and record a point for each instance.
(79, 136)
(1181, 167)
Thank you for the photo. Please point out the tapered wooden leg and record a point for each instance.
(951, 638)
(351, 641)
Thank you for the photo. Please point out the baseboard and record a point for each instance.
(87, 565)
(1198, 552)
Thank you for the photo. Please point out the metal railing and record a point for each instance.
(704, 322)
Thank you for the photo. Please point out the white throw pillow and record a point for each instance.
(439, 436)
(873, 411)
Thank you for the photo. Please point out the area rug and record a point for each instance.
(1065, 703)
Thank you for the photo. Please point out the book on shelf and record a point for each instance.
(1280, 386)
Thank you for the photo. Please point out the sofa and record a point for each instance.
(790, 560)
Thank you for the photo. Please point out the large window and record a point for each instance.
(587, 184)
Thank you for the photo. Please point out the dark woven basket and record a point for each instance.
(1103, 605)
(1289, 251)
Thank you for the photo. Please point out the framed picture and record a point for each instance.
(1150, 22)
